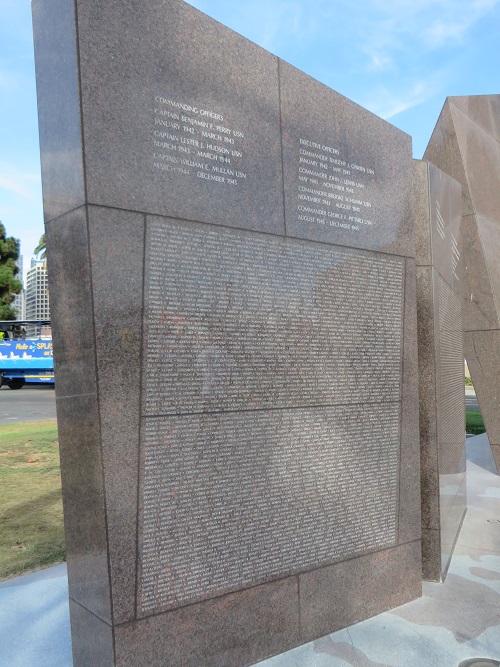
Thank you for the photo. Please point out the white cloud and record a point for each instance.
(441, 31)
(394, 26)
(23, 184)
(269, 23)
(387, 104)
(380, 61)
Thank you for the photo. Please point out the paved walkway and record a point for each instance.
(453, 621)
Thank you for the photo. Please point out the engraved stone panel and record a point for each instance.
(441, 365)
(242, 321)
(451, 381)
(345, 187)
(192, 122)
(232, 500)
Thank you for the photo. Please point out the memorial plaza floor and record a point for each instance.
(452, 622)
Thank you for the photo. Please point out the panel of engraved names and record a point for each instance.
(241, 320)
(451, 424)
(332, 190)
(192, 141)
(234, 499)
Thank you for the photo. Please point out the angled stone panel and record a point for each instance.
(61, 150)
(443, 150)
(480, 153)
(484, 110)
(440, 347)
(465, 144)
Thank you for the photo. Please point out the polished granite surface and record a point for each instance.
(465, 145)
(454, 621)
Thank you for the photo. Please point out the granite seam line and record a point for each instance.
(66, 213)
(249, 231)
(92, 613)
(268, 409)
(471, 119)
(472, 331)
(430, 266)
(455, 541)
(451, 504)
(139, 449)
(80, 92)
(101, 451)
(281, 146)
(291, 574)
(171, 610)
(58, 398)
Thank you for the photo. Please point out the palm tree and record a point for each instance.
(41, 249)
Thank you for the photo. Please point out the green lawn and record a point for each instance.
(474, 422)
(31, 521)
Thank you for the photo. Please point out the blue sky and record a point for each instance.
(398, 58)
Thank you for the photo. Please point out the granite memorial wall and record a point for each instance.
(440, 365)
(465, 145)
(232, 276)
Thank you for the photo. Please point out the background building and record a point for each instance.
(37, 292)
(19, 302)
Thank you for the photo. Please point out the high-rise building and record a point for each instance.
(19, 302)
(37, 291)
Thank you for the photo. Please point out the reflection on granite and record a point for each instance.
(70, 287)
(345, 651)
(234, 499)
(442, 407)
(84, 504)
(354, 592)
(118, 337)
(61, 152)
(453, 621)
(465, 145)
(235, 629)
(91, 638)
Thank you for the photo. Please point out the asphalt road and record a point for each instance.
(29, 404)
(471, 403)
(38, 402)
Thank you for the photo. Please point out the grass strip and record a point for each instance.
(31, 519)
(474, 422)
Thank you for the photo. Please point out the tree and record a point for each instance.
(41, 249)
(9, 285)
